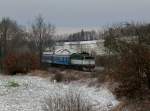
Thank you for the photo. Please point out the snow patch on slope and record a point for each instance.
(32, 93)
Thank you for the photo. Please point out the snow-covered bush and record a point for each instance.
(39, 94)
(70, 101)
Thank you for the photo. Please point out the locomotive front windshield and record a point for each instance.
(81, 56)
(89, 57)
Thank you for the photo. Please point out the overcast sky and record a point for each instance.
(76, 14)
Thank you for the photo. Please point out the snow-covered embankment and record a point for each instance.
(32, 92)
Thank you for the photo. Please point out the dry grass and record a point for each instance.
(61, 75)
(71, 101)
(133, 106)
(39, 73)
(120, 107)
(70, 75)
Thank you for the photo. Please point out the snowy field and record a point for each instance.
(32, 92)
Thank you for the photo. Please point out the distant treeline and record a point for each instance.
(81, 36)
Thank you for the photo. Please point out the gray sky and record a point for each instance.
(76, 14)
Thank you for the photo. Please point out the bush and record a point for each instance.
(71, 101)
(133, 73)
(107, 60)
(20, 63)
(132, 106)
(66, 76)
(105, 76)
(58, 77)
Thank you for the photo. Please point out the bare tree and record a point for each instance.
(9, 29)
(42, 34)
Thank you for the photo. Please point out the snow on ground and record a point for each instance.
(32, 93)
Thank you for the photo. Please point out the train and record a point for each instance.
(83, 61)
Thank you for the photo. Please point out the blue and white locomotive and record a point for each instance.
(76, 60)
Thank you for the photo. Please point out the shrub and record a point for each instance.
(69, 75)
(107, 60)
(104, 76)
(71, 101)
(20, 63)
(133, 73)
(101, 60)
(58, 77)
(132, 106)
